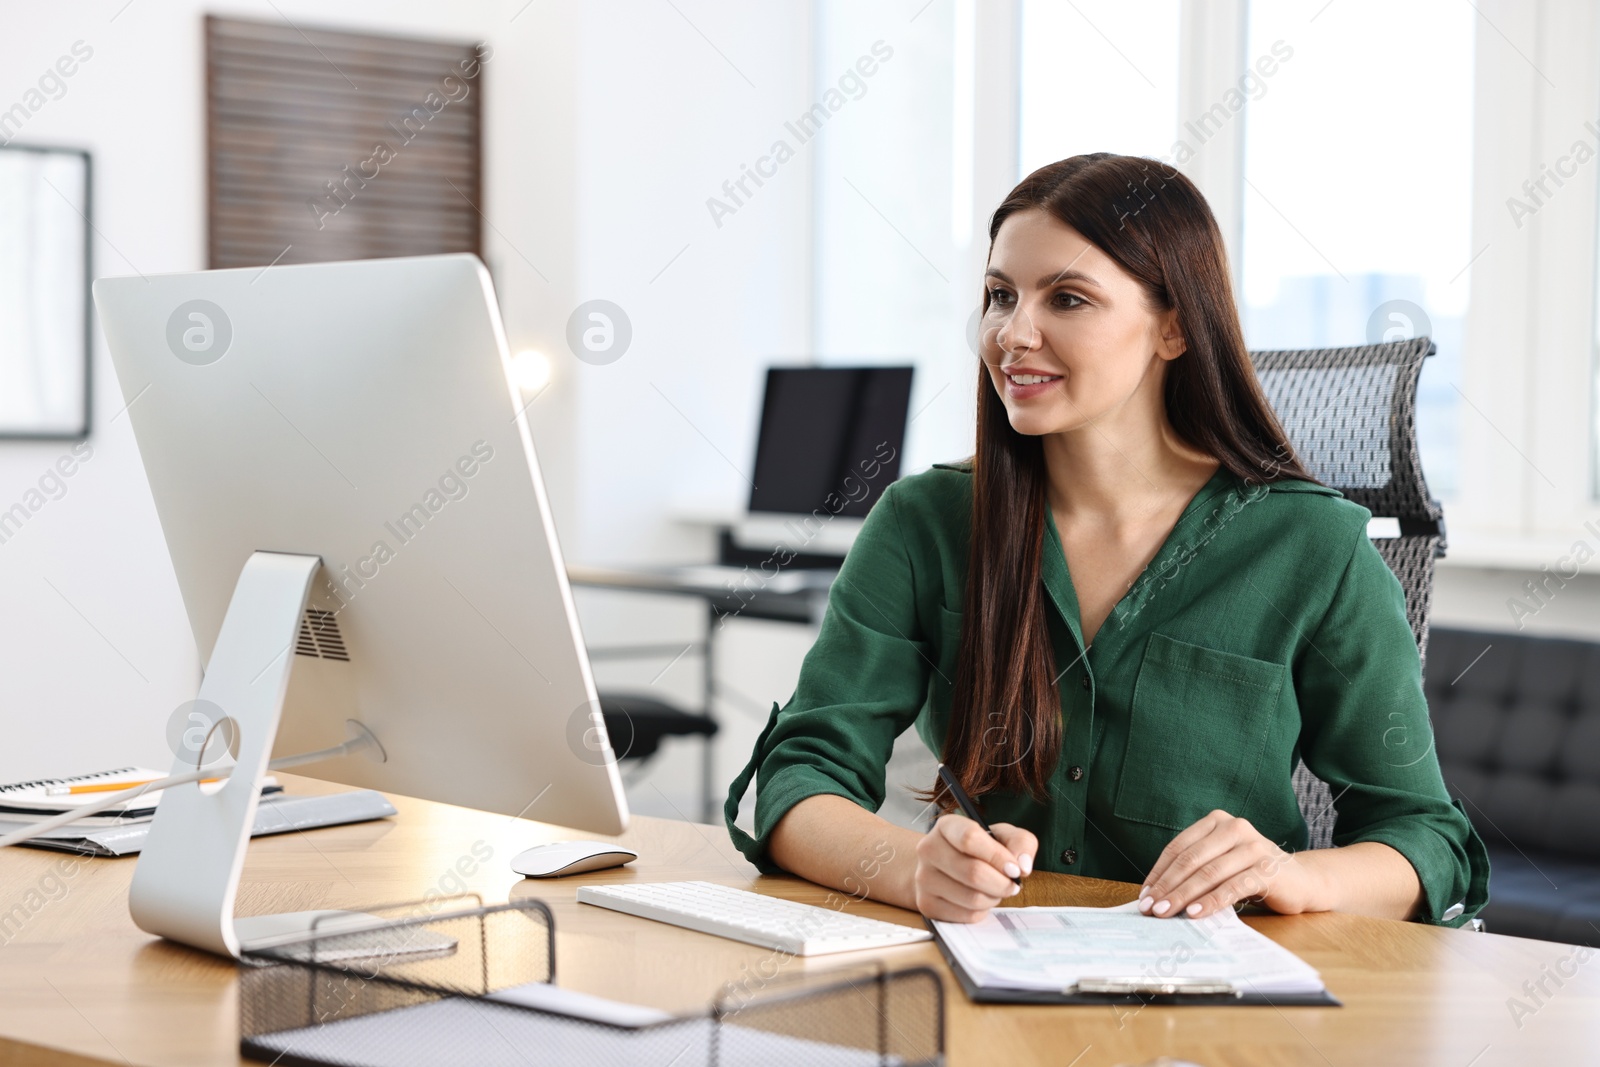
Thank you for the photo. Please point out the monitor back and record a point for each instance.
(364, 412)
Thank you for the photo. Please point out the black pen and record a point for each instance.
(968, 808)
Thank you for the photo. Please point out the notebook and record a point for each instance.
(1086, 955)
(35, 798)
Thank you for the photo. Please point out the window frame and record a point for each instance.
(1527, 438)
(1527, 441)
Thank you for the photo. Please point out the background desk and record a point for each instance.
(792, 595)
(80, 984)
(797, 595)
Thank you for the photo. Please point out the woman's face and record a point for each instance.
(1068, 339)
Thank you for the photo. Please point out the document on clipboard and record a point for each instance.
(1086, 955)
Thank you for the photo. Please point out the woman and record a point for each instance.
(1123, 620)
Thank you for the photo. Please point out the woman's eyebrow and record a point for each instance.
(1064, 275)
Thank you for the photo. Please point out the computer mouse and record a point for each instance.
(570, 857)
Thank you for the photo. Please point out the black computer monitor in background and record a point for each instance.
(821, 429)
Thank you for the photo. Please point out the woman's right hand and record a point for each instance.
(962, 872)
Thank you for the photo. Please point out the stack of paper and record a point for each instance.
(1053, 949)
(53, 796)
(122, 829)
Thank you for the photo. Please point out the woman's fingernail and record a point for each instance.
(1026, 859)
(1013, 871)
(1144, 903)
(1193, 909)
(1015, 889)
(1144, 892)
(1161, 908)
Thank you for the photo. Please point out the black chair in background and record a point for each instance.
(1351, 416)
(637, 724)
(1516, 718)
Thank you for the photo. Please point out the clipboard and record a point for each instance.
(1129, 991)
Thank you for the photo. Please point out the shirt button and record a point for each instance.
(1086, 681)
(1075, 773)
(1069, 856)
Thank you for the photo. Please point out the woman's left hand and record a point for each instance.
(1221, 860)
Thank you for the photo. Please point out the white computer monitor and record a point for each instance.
(362, 414)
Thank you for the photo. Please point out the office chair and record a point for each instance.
(1351, 416)
(637, 724)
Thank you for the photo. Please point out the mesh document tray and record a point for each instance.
(439, 991)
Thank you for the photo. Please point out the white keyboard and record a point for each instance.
(800, 929)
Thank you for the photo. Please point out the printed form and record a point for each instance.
(1055, 948)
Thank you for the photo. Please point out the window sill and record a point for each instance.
(1490, 552)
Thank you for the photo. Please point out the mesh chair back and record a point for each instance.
(1351, 416)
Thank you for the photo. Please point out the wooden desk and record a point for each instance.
(80, 984)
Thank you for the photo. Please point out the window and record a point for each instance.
(1358, 190)
(892, 196)
(1097, 76)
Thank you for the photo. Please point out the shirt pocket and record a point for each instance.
(1197, 733)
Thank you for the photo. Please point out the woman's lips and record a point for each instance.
(1030, 385)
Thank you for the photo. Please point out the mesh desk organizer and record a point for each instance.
(439, 990)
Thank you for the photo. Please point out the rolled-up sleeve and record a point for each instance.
(1365, 731)
(861, 685)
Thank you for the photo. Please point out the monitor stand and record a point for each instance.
(188, 871)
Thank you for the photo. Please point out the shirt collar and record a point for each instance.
(1201, 520)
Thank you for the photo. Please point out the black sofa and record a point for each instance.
(1518, 734)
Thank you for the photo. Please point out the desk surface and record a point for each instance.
(80, 984)
(704, 579)
(783, 594)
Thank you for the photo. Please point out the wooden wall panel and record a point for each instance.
(323, 145)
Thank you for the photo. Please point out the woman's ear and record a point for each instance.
(1173, 343)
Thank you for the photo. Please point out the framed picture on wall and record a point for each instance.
(44, 292)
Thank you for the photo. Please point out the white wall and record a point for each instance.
(90, 675)
(674, 101)
(95, 651)
(614, 122)
(666, 120)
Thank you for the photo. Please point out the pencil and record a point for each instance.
(101, 787)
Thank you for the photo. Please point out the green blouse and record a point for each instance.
(1267, 628)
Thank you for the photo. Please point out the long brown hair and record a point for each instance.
(1005, 716)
